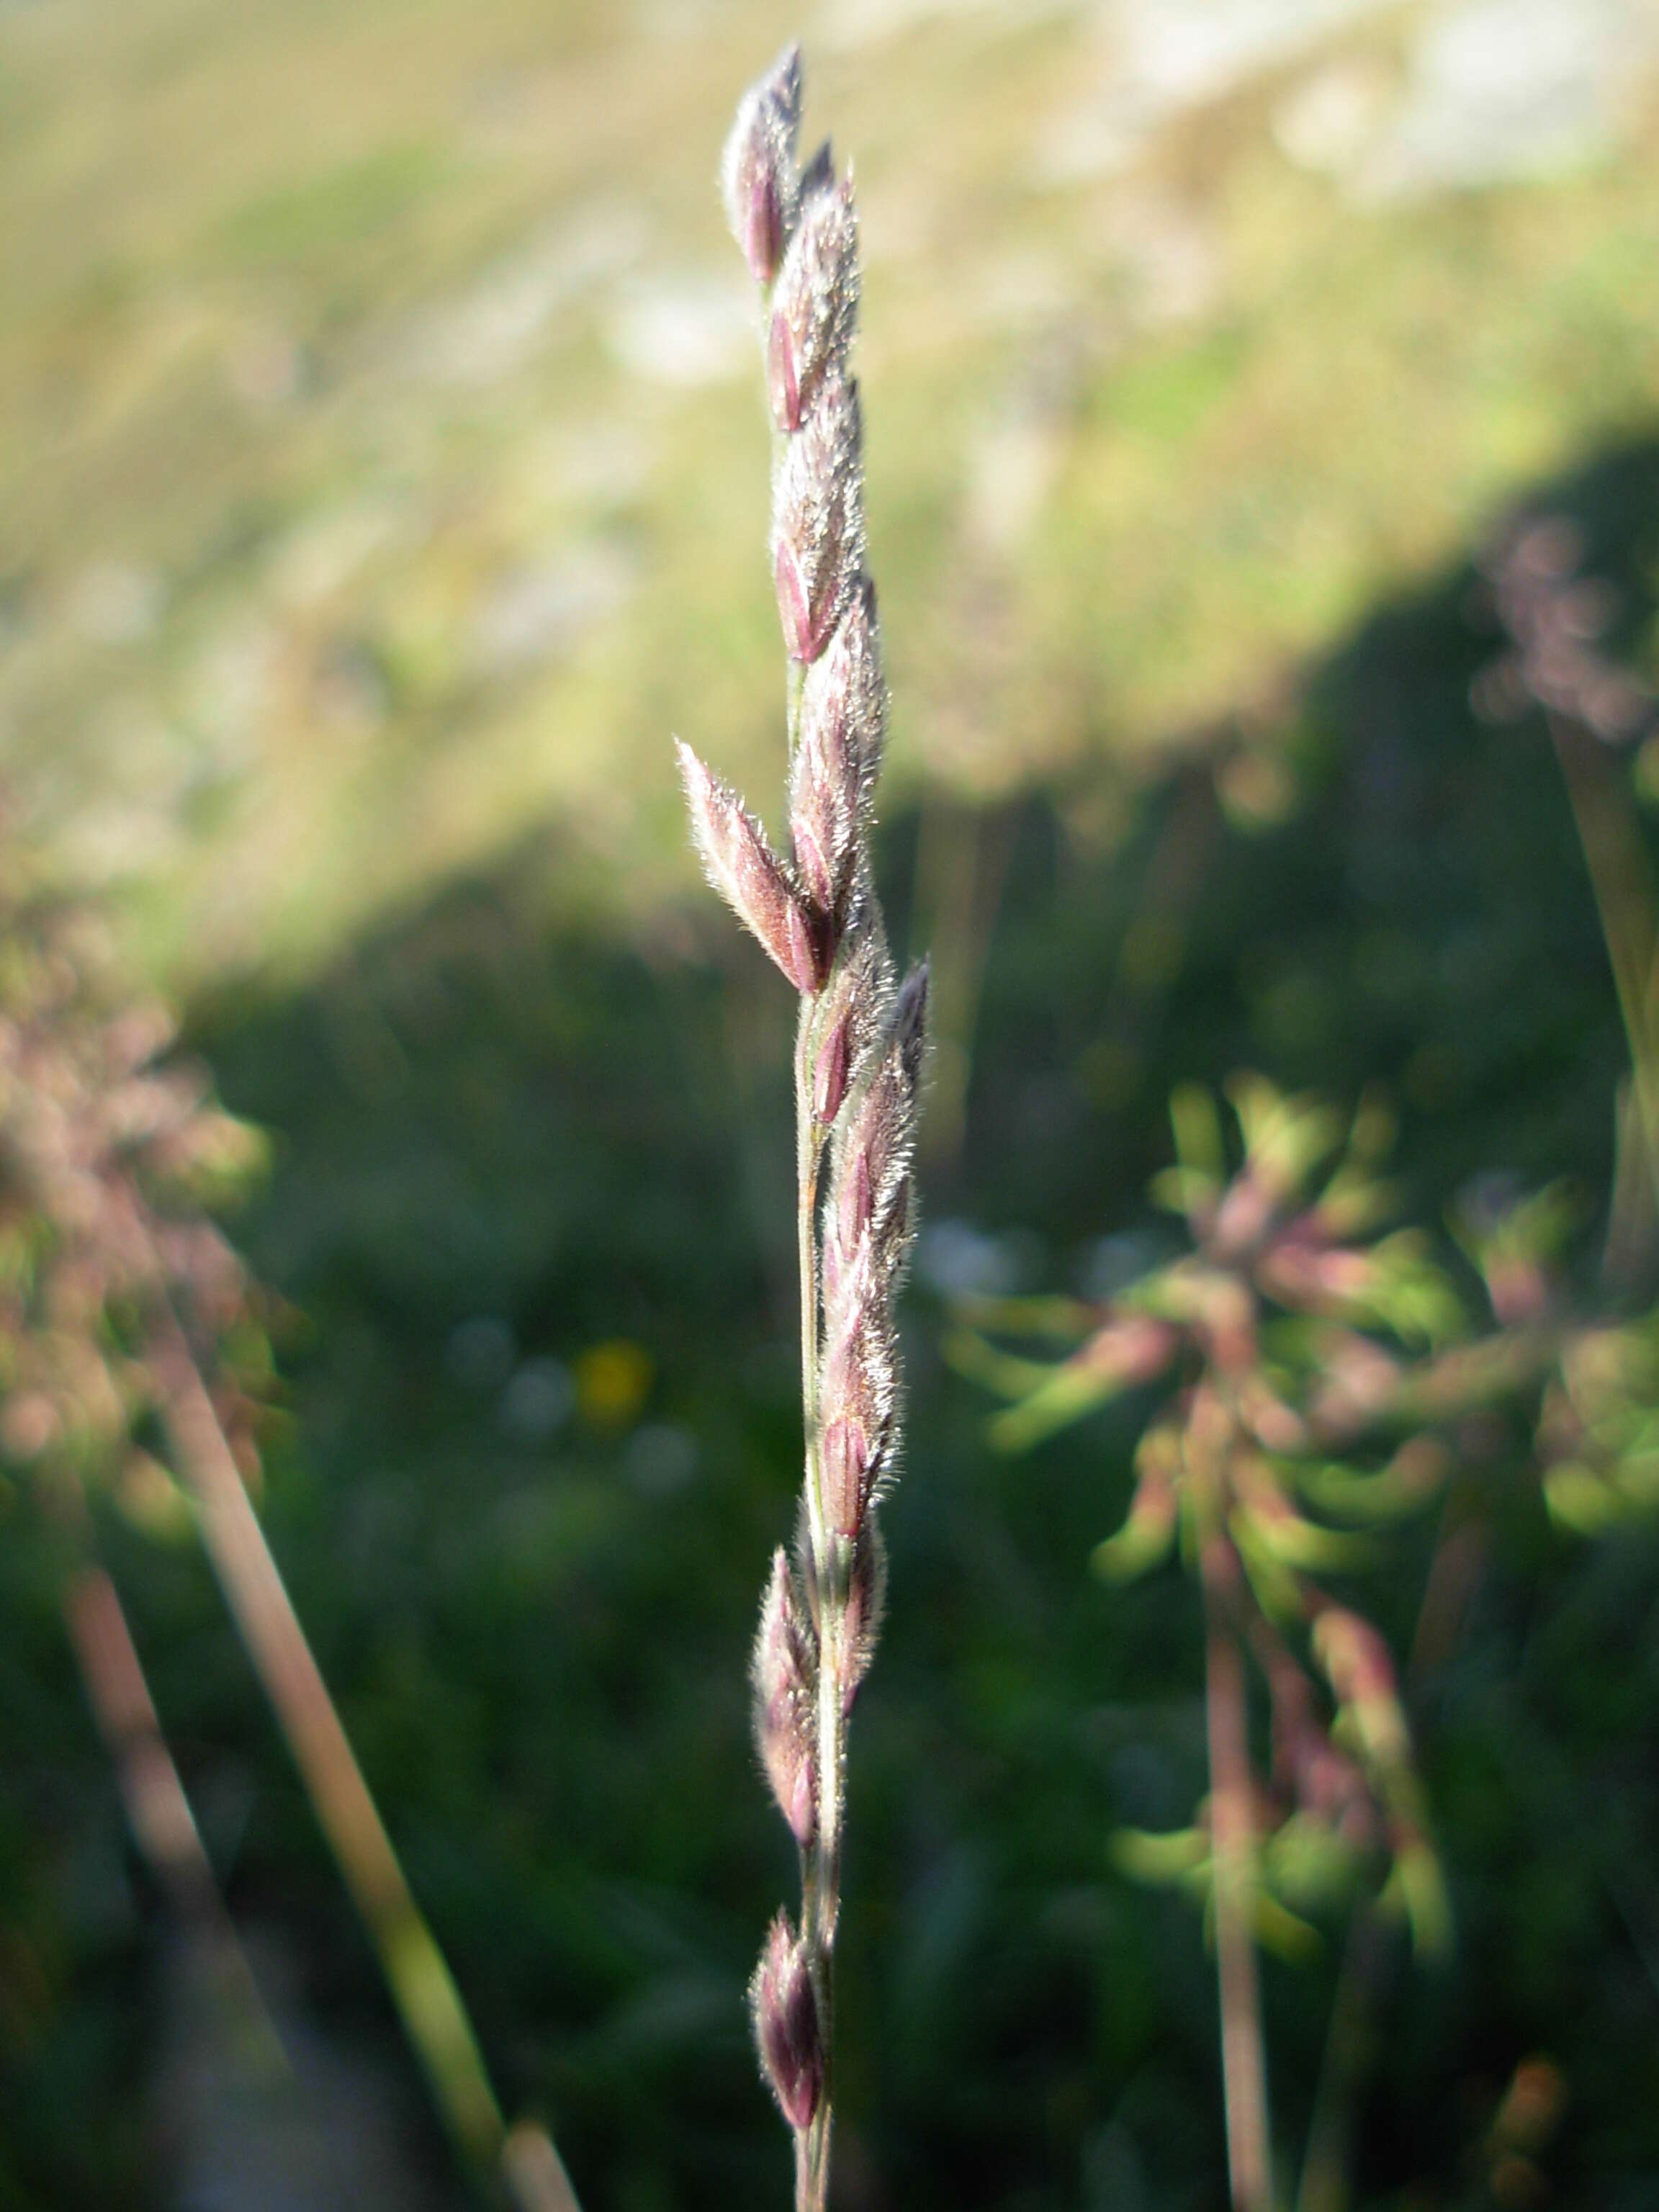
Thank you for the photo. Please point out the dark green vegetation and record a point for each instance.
(487, 1110)
(367, 724)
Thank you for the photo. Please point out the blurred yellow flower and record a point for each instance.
(613, 1380)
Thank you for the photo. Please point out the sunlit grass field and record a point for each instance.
(381, 468)
(383, 478)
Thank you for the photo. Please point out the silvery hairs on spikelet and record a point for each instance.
(858, 1059)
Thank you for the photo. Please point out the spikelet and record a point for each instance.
(816, 302)
(843, 712)
(853, 1015)
(859, 1057)
(866, 1602)
(758, 180)
(784, 2004)
(837, 755)
(784, 1672)
(749, 876)
(870, 1163)
(817, 518)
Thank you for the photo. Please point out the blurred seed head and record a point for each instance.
(1556, 619)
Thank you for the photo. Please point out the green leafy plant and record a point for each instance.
(1307, 1373)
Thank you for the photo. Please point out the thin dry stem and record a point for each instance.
(157, 1809)
(427, 1999)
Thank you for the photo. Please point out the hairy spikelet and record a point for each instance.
(749, 876)
(858, 1052)
(844, 710)
(860, 1398)
(757, 175)
(866, 1601)
(784, 2004)
(854, 1014)
(784, 1672)
(874, 1147)
(816, 302)
(837, 754)
(817, 518)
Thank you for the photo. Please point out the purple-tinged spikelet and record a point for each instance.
(816, 301)
(749, 876)
(784, 1671)
(910, 1021)
(851, 1460)
(871, 1166)
(823, 829)
(860, 1399)
(757, 175)
(821, 832)
(843, 705)
(787, 2034)
(852, 1017)
(817, 518)
(837, 753)
(866, 1235)
(866, 1601)
(857, 1066)
(831, 1068)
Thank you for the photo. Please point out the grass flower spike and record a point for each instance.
(858, 1061)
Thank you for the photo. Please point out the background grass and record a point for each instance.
(382, 476)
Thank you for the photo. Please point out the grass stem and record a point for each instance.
(1232, 1827)
(418, 1976)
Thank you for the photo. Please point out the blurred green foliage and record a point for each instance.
(488, 1115)
(358, 556)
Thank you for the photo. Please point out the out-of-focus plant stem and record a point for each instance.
(158, 1812)
(1232, 1824)
(427, 2001)
(157, 1809)
(1349, 2043)
(1622, 883)
(1243, 2062)
(1370, 1953)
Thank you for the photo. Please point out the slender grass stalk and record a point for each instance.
(158, 1812)
(112, 1274)
(1211, 1435)
(1370, 1953)
(1621, 882)
(1243, 2050)
(858, 1054)
(1350, 2050)
(157, 1809)
(417, 1974)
